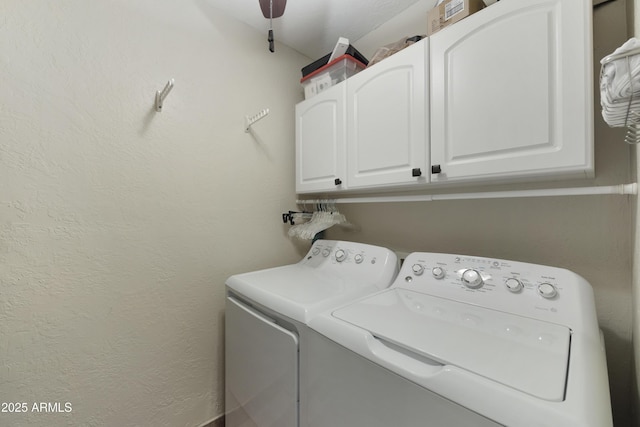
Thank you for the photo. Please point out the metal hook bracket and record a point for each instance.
(249, 120)
(161, 95)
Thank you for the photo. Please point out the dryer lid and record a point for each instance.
(299, 292)
(526, 354)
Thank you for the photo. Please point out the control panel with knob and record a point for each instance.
(351, 259)
(547, 290)
(514, 285)
(417, 269)
(438, 272)
(345, 253)
(471, 278)
(530, 290)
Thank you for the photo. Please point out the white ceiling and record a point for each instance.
(312, 27)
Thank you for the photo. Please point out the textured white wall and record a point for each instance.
(590, 235)
(119, 225)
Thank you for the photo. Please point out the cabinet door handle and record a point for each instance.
(436, 169)
(416, 172)
(337, 181)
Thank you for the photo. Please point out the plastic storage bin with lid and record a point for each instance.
(331, 74)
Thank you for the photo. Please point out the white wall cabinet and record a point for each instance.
(381, 111)
(511, 92)
(320, 142)
(501, 95)
(387, 122)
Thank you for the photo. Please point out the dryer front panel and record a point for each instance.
(261, 367)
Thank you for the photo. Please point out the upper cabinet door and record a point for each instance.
(320, 142)
(511, 92)
(387, 121)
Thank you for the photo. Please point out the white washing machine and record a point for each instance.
(265, 325)
(461, 341)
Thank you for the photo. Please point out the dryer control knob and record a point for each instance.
(358, 258)
(513, 284)
(326, 252)
(438, 272)
(547, 290)
(471, 278)
(341, 255)
(417, 269)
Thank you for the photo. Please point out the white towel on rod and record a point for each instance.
(620, 86)
(615, 80)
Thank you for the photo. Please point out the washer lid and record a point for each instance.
(519, 352)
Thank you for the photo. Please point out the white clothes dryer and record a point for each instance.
(461, 341)
(265, 325)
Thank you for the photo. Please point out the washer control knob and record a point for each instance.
(471, 278)
(341, 255)
(513, 284)
(438, 272)
(316, 251)
(358, 258)
(417, 269)
(547, 290)
(326, 252)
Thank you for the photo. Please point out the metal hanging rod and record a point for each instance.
(616, 56)
(623, 189)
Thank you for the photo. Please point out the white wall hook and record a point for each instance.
(160, 96)
(249, 120)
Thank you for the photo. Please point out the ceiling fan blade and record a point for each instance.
(278, 8)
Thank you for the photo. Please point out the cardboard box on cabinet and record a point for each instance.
(449, 12)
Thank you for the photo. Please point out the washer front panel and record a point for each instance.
(517, 343)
